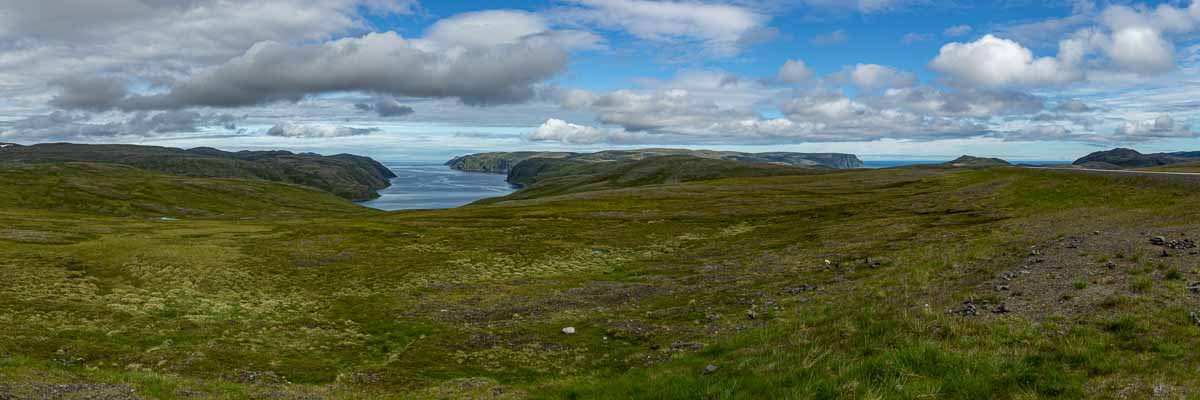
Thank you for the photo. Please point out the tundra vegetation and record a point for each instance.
(915, 282)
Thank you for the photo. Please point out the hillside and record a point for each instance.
(541, 177)
(972, 161)
(503, 162)
(119, 190)
(349, 176)
(1128, 158)
(917, 282)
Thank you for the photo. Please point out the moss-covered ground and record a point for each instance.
(119, 282)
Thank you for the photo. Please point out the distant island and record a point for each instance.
(345, 175)
(503, 162)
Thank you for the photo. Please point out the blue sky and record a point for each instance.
(408, 79)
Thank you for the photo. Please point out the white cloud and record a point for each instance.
(566, 132)
(313, 131)
(957, 30)
(1162, 127)
(992, 61)
(794, 71)
(719, 28)
(1141, 50)
(873, 77)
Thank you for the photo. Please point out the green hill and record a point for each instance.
(917, 282)
(349, 176)
(119, 190)
(541, 177)
(502, 162)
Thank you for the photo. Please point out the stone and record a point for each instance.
(1194, 287)
(710, 369)
(751, 314)
(968, 309)
(1195, 317)
(1001, 309)
(1158, 241)
(570, 330)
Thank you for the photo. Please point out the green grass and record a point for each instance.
(259, 279)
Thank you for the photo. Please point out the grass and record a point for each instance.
(260, 289)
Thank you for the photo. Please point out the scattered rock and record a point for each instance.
(686, 346)
(710, 369)
(751, 314)
(1161, 390)
(1195, 317)
(1182, 244)
(570, 330)
(1194, 287)
(968, 309)
(1001, 288)
(261, 378)
(802, 289)
(1001, 309)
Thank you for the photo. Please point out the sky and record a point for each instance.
(425, 80)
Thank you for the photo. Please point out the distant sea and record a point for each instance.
(432, 186)
(435, 186)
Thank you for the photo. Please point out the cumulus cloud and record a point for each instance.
(376, 62)
(972, 103)
(454, 60)
(721, 29)
(992, 61)
(1141, 50)
(818, 115)
(957, 30)
(566, 132)
(836, 37)
(311, 131)
(1163, 127)
(794, 71)
(873, 76)
(386, 108)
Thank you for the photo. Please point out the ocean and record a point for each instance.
(433, 186)
(436, 186)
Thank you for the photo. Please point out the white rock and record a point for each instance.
(570, 330)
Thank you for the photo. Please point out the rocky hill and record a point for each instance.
(502, 162)
(1128, 158)
(972, 161)
(348, 176)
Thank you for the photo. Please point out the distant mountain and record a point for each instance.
(503, 162)
(1128, 158)
(346, 175)
(972, 161)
